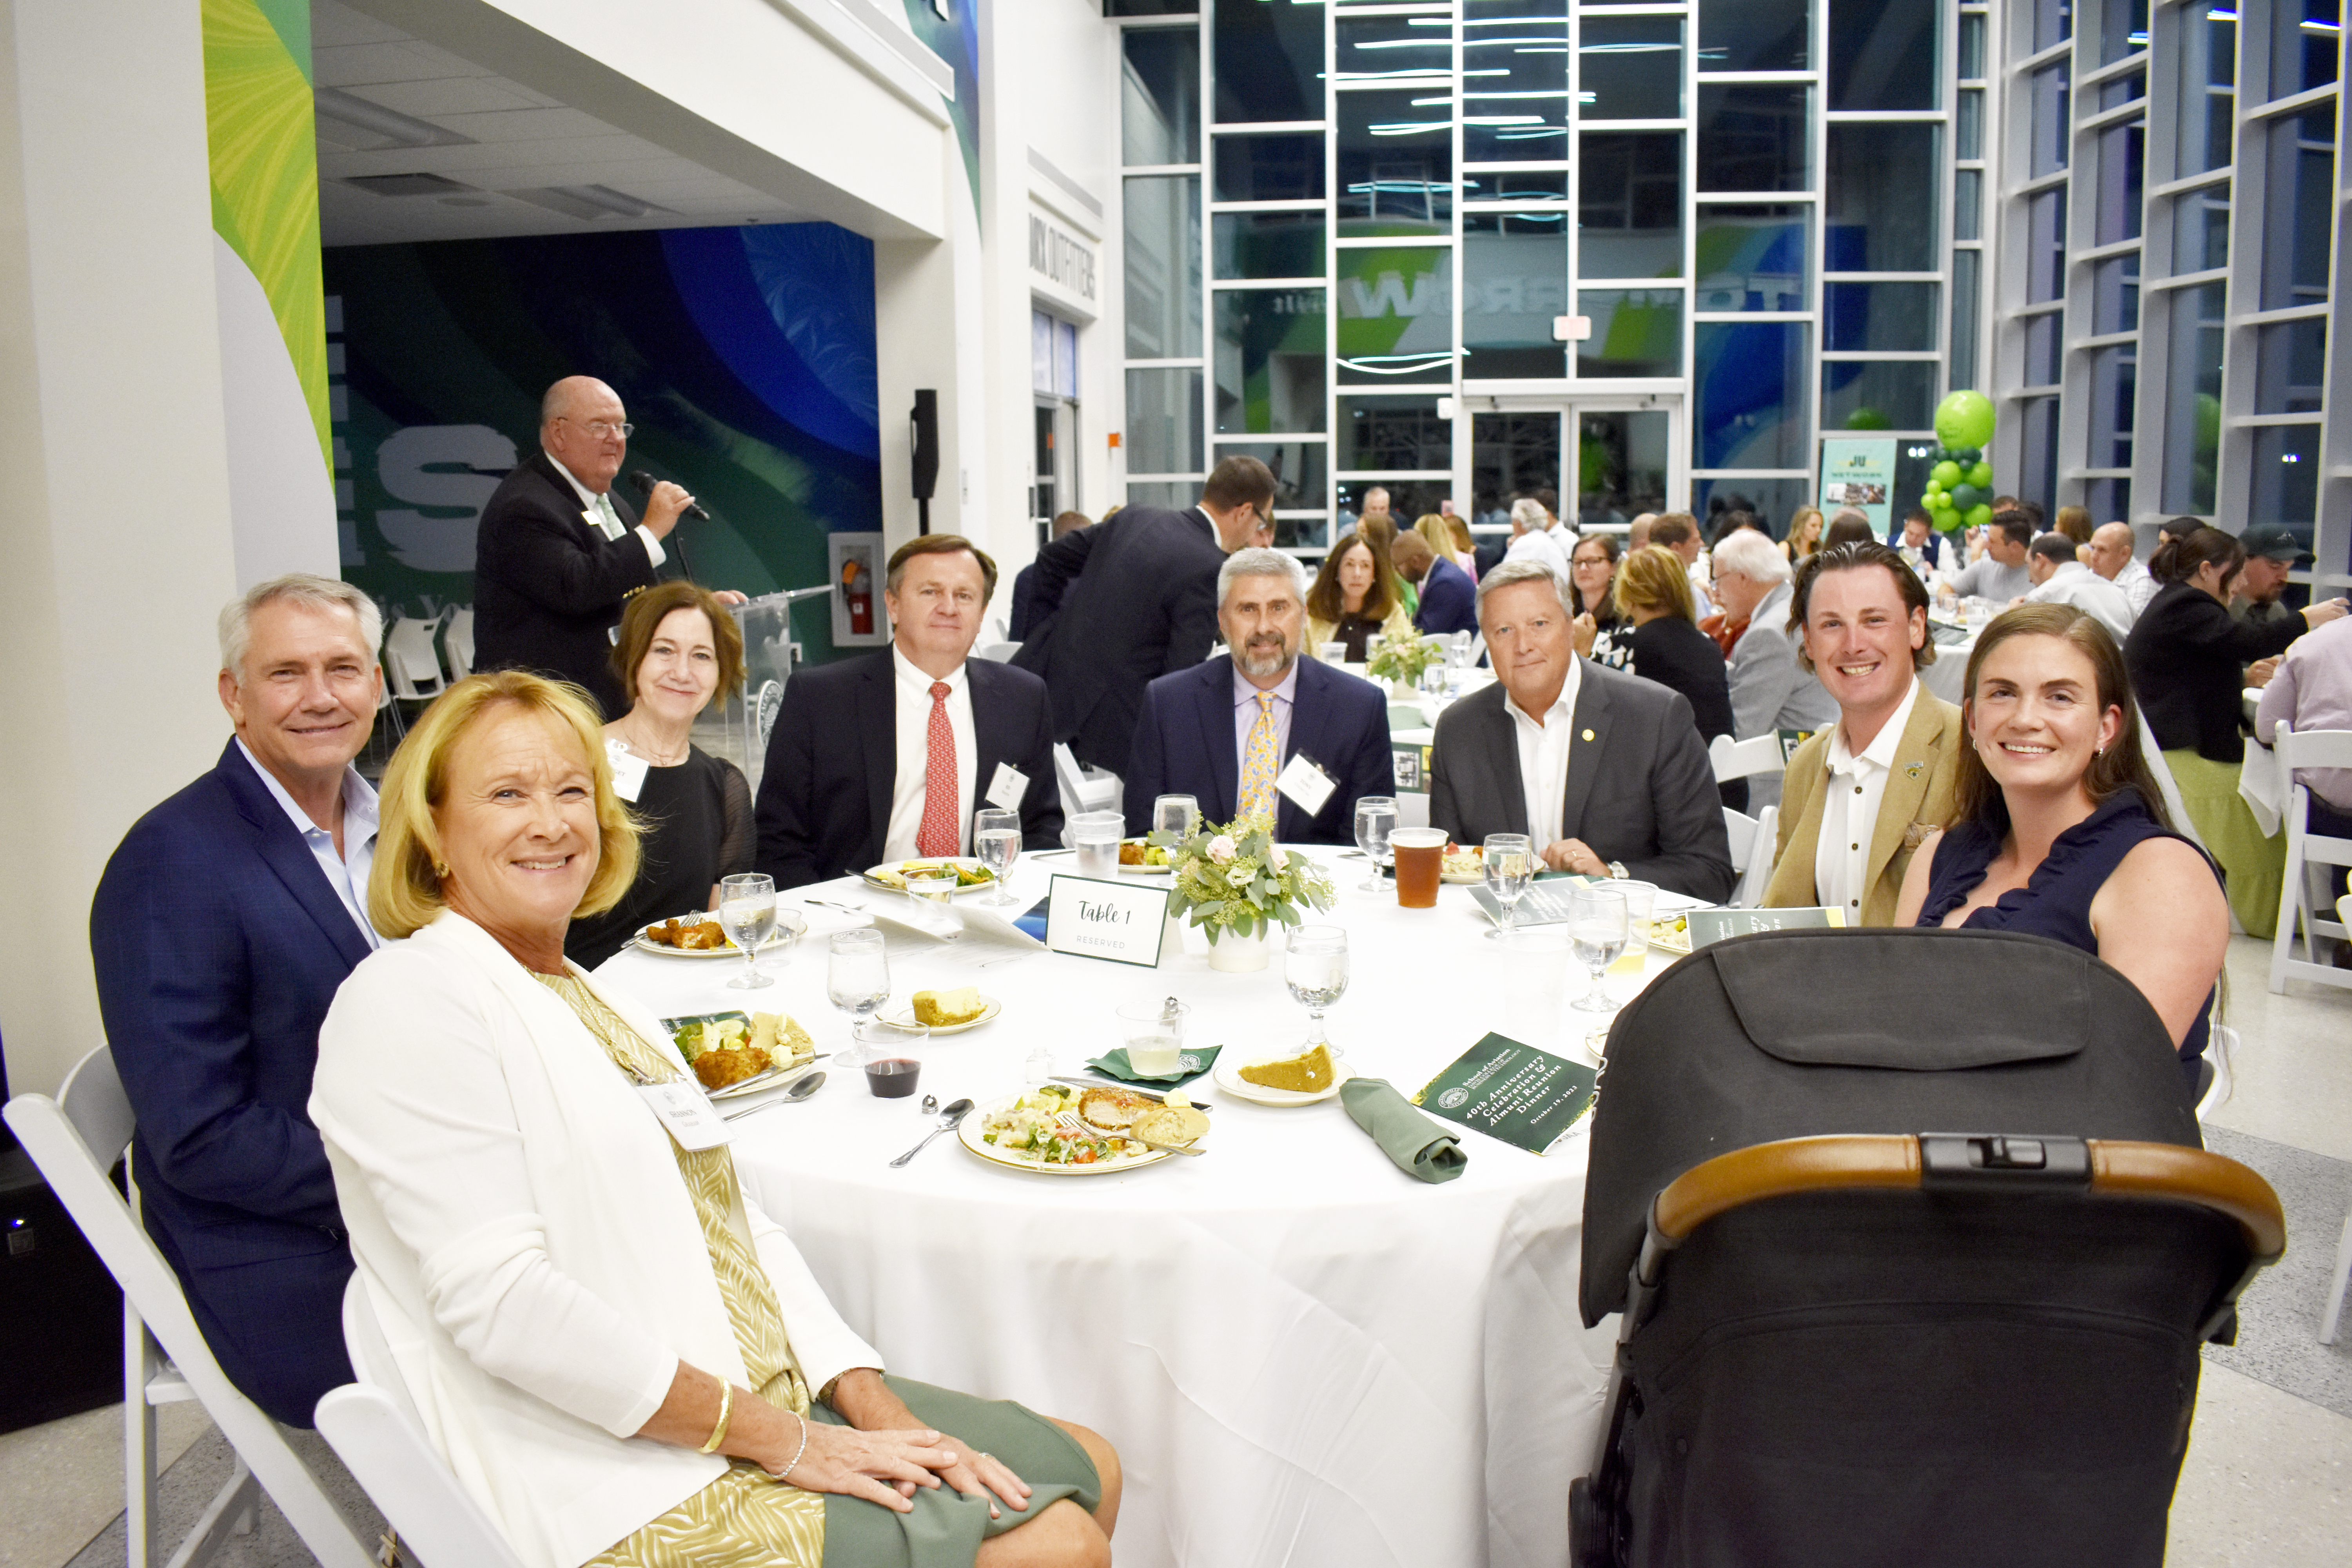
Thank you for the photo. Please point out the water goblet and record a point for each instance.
(857, 981)
(1176, 815)
(1376, 816)
(1315, 967)
(747, 911)
(1510, 866)
(1596, 928)
(996, 840)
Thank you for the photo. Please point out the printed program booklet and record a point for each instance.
(1523, 1096)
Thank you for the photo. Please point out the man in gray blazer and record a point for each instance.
(1769, 690)
(1605, 771)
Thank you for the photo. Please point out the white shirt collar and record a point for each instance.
(1880, 753)
(588, 497)
(1563, 707)
(912, 676)
(360, 820)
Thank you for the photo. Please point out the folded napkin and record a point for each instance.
(1419, 1146)
(1195, 1061)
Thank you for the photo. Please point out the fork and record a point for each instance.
(1070, 1121)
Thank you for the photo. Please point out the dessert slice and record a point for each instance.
(1310, 1073)
(940, 1009)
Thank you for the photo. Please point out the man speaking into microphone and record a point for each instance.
(557, 551)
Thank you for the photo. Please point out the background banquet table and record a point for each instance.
(1303, 1355)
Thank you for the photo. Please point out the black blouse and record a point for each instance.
(1673, 652)
(2186, 653)
(697, 827)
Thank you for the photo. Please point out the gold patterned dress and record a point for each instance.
(747, 1518)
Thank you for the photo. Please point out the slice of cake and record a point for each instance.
(1306, 1074)
(941, 1009)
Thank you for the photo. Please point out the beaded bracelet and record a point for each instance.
(799, 1451)
(726, 1414)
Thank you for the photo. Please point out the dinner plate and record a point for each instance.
(1227, 1076)
(904, 1019)
(1145, 870)
(790, 923)
(872, 875)
(775, 1076)
(969, 1130)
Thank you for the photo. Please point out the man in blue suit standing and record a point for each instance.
(224, 922)
(1259, 730)
(1449, 600)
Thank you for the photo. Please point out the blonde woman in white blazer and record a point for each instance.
(622, 1358)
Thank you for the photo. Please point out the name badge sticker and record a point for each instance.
(629, 771)
(687, 1113)
(1304, 782)
(1006, 787)
(1121, 921)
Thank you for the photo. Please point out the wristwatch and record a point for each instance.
(1617, 871)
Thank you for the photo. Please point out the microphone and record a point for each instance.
(644, 483)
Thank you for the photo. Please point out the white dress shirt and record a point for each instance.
(601, 515)
(1543, 758)
(2076, 584)
(347, 873)
(912, 691)
(1850, 810)
(2139, 586)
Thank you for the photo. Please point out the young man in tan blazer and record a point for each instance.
(1860, 795)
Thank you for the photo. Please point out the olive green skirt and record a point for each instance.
(2253, 866)
(946, 1528)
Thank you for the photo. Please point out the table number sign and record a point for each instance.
(1713, 925)
(1121, 921)
(1523, 1096)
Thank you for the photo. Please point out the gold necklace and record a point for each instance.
(651, 755)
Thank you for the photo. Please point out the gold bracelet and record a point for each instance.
(726, 1414)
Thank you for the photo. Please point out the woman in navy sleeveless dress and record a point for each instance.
(2062, 833)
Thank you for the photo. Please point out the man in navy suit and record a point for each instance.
(1327, 732)
(224, 922)
(1449, 600)
(887, 756)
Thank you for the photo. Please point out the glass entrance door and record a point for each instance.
(1622, 463)
(1605, 462)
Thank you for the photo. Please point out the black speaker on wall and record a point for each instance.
(924, 428)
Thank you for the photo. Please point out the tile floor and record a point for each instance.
(2267, 1481)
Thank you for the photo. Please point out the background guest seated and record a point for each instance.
(1224, 731)
(887, 756)
(1771, 690)
(2000, 575)
(622, 1359)
(1603, 771)
(2062, 831)
(2059, 579)
(1653, 593)
(678, 648)
(1599, 627)
(1449, 601)
(2313, 690)
(1352, 601)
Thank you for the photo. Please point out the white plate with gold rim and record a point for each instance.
(1227, 1076)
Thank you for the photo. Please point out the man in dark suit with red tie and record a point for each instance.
(557, 553)
(887, 757)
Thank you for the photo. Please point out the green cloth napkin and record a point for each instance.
(1419, 1146)
(1195, 1061)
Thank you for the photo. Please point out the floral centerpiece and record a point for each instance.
(1235, 882)
(1401, 659)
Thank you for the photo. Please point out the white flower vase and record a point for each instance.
(1235, 954)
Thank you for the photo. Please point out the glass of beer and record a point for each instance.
(1420, 855)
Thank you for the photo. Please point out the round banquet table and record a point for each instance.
(1303, 1355)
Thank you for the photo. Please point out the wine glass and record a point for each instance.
(857, 981)
(1596, 927)
(1510, 866)
(1176, 815)
(1376, 816)
(1315, 967)
(747, 910)
(996, 839)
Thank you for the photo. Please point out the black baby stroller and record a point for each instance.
(1915, 1245)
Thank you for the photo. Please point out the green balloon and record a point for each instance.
(1868, 419)
(1929, 496)
(1967, 497)
(1964, 419)
(1980, 476)
(1947, 521)
(1969, 454)
(1979, 516)
(1945, 475)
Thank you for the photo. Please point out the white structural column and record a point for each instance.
(117, 527)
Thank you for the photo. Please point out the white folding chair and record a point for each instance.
(411, 667)
(457, 643)
(2331, 1314)
(1741, 828)
(372, 1425)
(1000, 652)
(1083, 789)
(2220, 1055)
(1743, 759)
(1756, 874)
(2305, 894)
(75, 1140)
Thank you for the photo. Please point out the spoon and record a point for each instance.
(956, 1111)
(801, 1090)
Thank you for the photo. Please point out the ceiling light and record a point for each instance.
(415, 185)
(384, 125)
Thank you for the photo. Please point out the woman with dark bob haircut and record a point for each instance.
(2062, 830)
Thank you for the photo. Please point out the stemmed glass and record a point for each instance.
(1457, 662)
(996, 840)
(1510, 864)
(1376, 816)
(857, 981)
(1177, 815)
(1596, 928)
(747, 910)
(1315, 967)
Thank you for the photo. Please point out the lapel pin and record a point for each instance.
(1912, 770)
(1587, 734)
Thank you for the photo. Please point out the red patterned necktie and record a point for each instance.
(939, 834)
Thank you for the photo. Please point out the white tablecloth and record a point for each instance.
(1303, 1355)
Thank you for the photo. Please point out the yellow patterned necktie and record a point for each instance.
(1259, 762)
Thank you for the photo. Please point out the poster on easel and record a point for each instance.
(1859, 471)
(856, 562)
